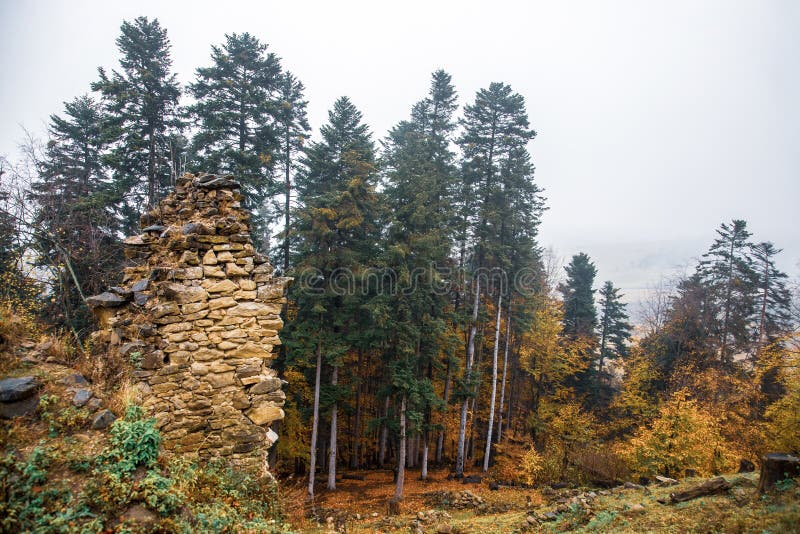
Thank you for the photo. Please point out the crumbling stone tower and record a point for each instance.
(198, 317)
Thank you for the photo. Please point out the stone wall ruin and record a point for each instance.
(198, 317)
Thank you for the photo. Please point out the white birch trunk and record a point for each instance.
(462, 426)
(490, 426)
(315, 426)
(505, 370)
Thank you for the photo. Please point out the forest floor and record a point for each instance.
(439, 505)
(208, 498)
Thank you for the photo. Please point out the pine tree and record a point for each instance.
(580, 317)
(774, 299)
(614, 332)
(74, 227)
(420, 176)
(727, 269)
(235, 110)
(338, 232)
(141, 107)
(499, 200)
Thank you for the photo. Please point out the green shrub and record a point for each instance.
(135, 442)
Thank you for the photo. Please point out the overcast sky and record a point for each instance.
(656, 121)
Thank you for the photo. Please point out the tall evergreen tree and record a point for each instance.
(141, 106)
(614, 332)
(727, 269)
(614, 329)
(338, 233)
(580, 320)
(235, 111)
(580, 314)
(497, 187)
(74, 228)
(773, 297)
(420, 177)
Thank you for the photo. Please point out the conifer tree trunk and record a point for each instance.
(490, 426)
(462, 427)
(401, 455)
(151, 170)
(762, 323)
(384, 434)
(354, 460)
(424, 470)
(332, 449)
(728, 292)
(445, 398)
(287, 202)
(315, 425)
(505, 371)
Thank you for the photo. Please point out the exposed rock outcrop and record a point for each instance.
(198, 317)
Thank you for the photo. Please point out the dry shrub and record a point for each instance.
(507, 461)
(601, 464)
(519, 462)
(14, 325)
(123, 395)
(60, 347)
(107, 367)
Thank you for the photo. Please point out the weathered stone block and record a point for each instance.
(264, 414)
(222, 302)
(182, 294)
(222, 287)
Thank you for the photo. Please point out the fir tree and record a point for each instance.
(727, 270)
(420, 176)
(773, 297)
(235, 111)
(498, 194)
(614, 332)
(338, 232)
(74, 228)
(141, 106)
(580, 315)
(580, 318)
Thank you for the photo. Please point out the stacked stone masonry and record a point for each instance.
(198, 317)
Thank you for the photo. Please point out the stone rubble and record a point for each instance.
(198, 317)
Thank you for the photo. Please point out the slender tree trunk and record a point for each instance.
(315, 425)
(287, 207)
(728, 291)
(762, 324)
(490, 426)
(332, 451)
(445, 398)
(384, 434)
(510, 400)
(462, 427)
(424, 470)
(505, 371)
(401, 455)
(603, 341)
(354, 460)
(151, 170)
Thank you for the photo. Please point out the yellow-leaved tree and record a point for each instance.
(682, 436)
(637, 401)
(550, 359)
(782, 417)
